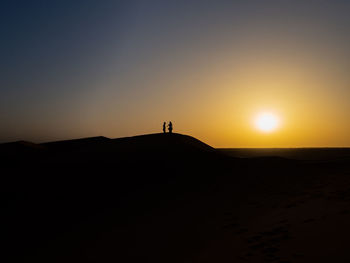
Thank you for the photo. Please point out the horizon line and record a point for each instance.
(222, 148)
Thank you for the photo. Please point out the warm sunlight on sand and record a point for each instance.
(266, 122)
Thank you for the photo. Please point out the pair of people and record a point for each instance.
(170, 127)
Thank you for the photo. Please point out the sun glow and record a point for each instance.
(266, 122)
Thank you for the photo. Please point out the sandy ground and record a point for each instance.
(214, 209)
(305, 219)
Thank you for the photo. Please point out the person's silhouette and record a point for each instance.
(164, 127)
(170, 127)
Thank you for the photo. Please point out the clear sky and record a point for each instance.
(73, 69)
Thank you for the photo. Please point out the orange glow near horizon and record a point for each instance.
(211, 75)
(217, 104)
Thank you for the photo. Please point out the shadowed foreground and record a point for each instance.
(169, 198)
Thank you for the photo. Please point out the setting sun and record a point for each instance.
(266, 122)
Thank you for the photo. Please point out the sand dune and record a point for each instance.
(170, 198)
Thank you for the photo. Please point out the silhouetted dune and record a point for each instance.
(164, 142)
(20, 147)
(69, 145)
(146, 197)
(68, 182)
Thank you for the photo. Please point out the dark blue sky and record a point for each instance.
(117, 68)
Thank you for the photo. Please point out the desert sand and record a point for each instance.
(172, 198)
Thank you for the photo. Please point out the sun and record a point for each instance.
(266, 122)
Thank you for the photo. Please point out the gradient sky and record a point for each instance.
(73, 69)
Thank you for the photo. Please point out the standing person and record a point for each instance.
(170, 127)
(164, 127)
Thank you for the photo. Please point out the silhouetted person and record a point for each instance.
(170, 127)
(164, 127)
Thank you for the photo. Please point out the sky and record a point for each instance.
(72, 69)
